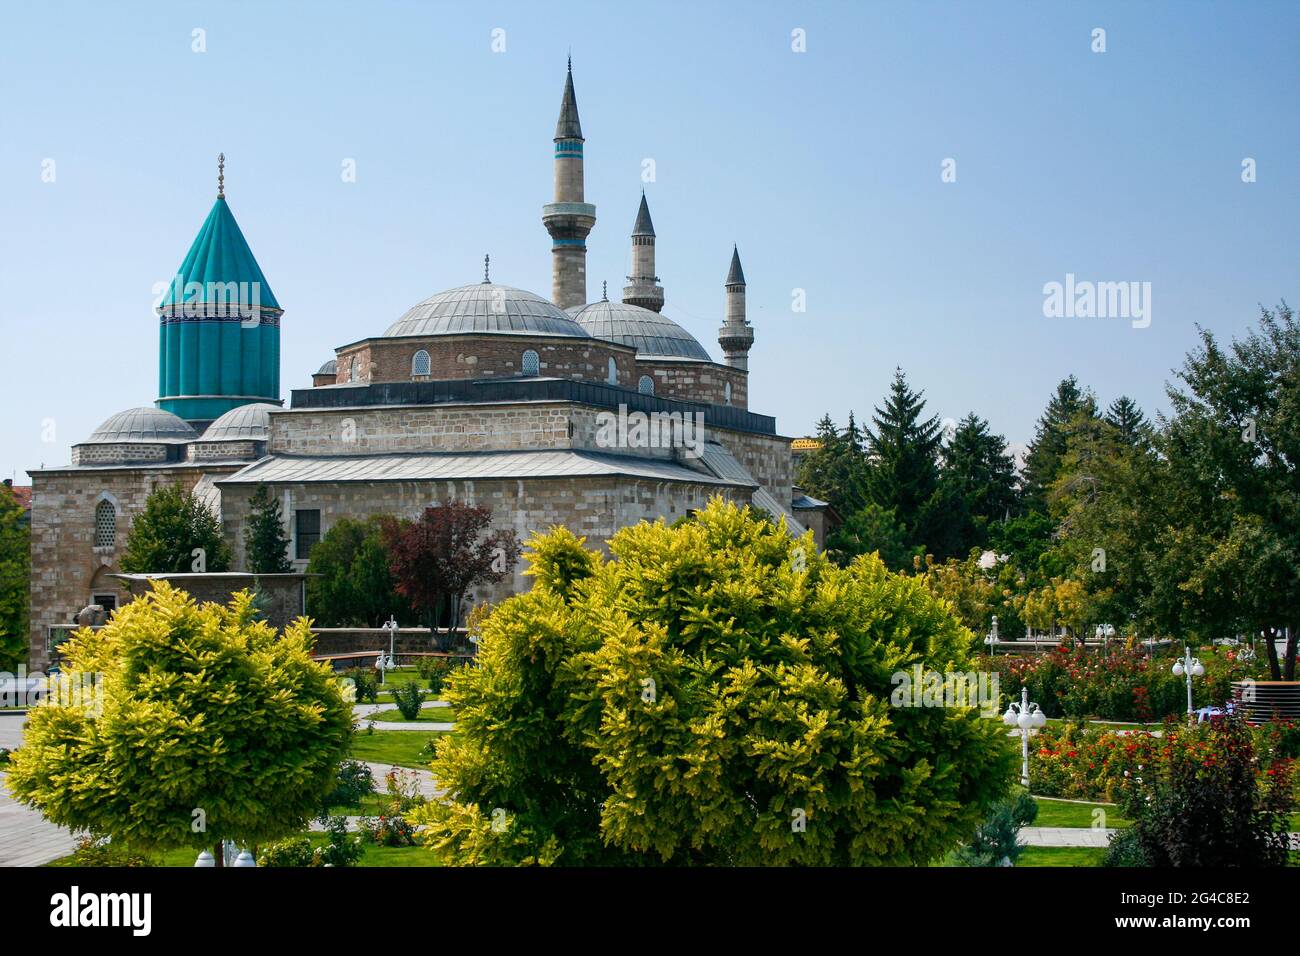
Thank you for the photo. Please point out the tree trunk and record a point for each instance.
(1275, 671)
(1291, 634)
(219, 854)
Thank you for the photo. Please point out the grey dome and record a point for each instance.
(245, 423)
(147, 425)
(329, 368)
(650, 333)
(485, 307)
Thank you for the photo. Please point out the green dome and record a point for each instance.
(219, 255)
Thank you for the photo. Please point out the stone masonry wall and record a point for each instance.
(696, 381)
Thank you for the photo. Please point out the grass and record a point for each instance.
(374, 856)
(1062, 856)
(1062, 813)
(400, 748)
(428, 714)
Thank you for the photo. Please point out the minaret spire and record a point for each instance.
(736, 335)
(221, 175)
(643, 287)
(569, 218)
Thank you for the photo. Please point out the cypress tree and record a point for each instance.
(266, 544)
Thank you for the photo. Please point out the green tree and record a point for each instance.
(1051, 436)
(349, 583)
(871, 529)
(1132, 425)
(266, 545)
(979, 473)
(904, 448)
(15, 576)
(836, 470)
(164, 536)
(183, 725)
(716, 693)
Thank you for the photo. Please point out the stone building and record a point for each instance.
(589, 414)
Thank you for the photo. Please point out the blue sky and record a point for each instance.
(823, 165)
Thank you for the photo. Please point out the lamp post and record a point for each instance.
(382, 665)
(992, 639)
(1027, 718)
(1104, 633)
(1191, 667)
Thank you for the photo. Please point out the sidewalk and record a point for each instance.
(364, 711)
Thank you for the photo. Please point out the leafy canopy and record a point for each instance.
(165, 534)
(716, 693)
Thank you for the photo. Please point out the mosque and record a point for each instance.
(484, 393)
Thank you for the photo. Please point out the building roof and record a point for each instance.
(485, 307)
(473, 466)
(568, 126)
(643, 225)
(719, 460)
(735, 275)
(650, 333)
(145, 425)
(245, 423)
(23, 493)
(219, 255)
(329, 368)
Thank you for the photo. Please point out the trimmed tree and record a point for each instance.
(164, 537)
(184, 725)
(717, 693)
(266, 545)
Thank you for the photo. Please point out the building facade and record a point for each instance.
(593, 415)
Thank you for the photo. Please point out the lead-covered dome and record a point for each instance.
(245, 423)
(329, 368)
(650, 333)
(485, 307)
(144, 425)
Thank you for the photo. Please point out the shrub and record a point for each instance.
(716, 693)
(996, 840)
(1124, 849)
(355, 782)
(1206, 804)
(409, 698)
(100, 851)
(342, 848)
(366, 683)
(290, 852)
(436, 671)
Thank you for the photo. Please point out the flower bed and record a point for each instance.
(1124, 685)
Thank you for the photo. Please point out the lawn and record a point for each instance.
(374, 856)
(429, 714)
(1062, 856)
(400, 748)
(1062, 813)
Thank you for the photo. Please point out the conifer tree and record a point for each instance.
(979, 473)
(1051, 437)
(1129, 421)
(15, 569)
(266, 545)
(164, 537)
(904, 450)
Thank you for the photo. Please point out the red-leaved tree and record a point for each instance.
(449, 549)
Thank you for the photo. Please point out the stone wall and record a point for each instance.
(281, 600)
(696, 381)
(224, 450)
(118, 453)
(487, 356)
(766, 457)
(349, 640)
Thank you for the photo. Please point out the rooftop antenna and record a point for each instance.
(221, 175)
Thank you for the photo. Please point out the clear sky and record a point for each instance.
(825, 166)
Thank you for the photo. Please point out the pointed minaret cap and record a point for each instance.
(568, 126)
(643, 227)
(735, 275)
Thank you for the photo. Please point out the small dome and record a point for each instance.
(147, 425)
(329, 368)
(485, 307)
(650, 333)
(245, 423)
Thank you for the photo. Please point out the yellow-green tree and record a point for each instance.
(716, 693)
(181, 724)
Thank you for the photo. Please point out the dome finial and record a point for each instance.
(486, 261)
(221, 175)
(604, 294)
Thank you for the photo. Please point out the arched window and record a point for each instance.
(613, 371)
(532, 363)
(354, 370)
(420, 363)
(646, 386)
(105, 525)
(726, 393)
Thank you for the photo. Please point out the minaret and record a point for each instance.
(643, 287)
(570, 217)
(219, 335)
(736, 335)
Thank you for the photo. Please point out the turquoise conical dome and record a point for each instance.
(219, 340)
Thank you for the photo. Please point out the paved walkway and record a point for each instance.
(26, 839)
(364, 711)
(1066, 836)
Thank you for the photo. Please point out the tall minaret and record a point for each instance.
(736, 335)
(570, 217)
(643, 287)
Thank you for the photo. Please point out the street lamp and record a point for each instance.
(1191, 667)
(992, 639)
(1027, 719)
(382, 665)
(1104, 633)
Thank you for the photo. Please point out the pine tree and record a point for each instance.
(1043, 460)
(266, 545)
(904, 450)
(980, 473)
(164, 537)
(1128, 419)
(835, 471)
